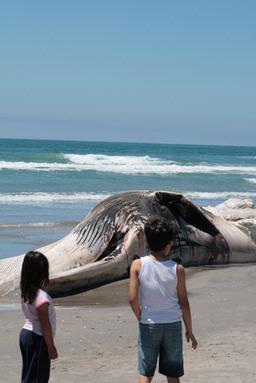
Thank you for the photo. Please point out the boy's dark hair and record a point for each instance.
(34, 275)
(159, 232)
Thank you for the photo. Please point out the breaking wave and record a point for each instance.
(35, 225)
(251, 180)
(30, 198)
(220, 195)
(125, 165)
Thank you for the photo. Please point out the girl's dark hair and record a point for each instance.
(159, 232)
(34, 275)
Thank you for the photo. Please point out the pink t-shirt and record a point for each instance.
(32, 322)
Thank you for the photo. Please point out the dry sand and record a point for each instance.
(96, 335)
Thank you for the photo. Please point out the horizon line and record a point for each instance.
(123, 142)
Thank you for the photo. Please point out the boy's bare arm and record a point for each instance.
(47, 330)
(134, 288)
(184, 304)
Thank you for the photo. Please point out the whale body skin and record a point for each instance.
(100, 249)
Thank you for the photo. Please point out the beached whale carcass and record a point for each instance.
(101, 248)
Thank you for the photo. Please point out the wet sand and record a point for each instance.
(96, 333)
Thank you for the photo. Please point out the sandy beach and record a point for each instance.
(96, 334)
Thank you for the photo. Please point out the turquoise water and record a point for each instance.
(48, 186)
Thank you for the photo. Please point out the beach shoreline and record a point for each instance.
(96, 332)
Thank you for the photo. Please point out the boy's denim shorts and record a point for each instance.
(163, 340)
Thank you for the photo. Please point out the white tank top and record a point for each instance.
(158, 291)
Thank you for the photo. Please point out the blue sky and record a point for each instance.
(138, 71)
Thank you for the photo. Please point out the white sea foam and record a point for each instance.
(251, 157)
(220, 195)
(251, 180)
(125, 165)
(30, 198)
(31, 225)
(38, 166)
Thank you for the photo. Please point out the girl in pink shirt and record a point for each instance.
(37, 335)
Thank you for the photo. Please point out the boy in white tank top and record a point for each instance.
(160, 282)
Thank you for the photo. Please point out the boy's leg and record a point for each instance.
(149, 341)
(171, 360)
(145, 379)
(173, 380)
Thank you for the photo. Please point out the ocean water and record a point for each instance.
(47, 187)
